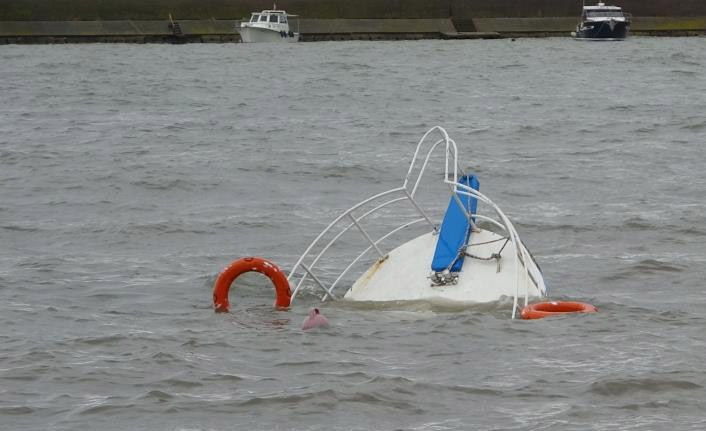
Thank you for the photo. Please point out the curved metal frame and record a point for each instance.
(451, 166)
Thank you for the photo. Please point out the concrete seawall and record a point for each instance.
(145, 31)
(140, 21)
(111, 10)
(152, 31)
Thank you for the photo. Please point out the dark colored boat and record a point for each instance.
(601, 22)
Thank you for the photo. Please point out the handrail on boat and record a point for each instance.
(347, 220)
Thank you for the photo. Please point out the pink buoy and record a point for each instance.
(314, 320)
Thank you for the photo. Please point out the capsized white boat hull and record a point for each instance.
(405, 274)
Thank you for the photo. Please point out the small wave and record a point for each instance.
(162, 227)
(106, 408)
(472, 390)
(299, 364)
(162, 357)
(162, 183)
(476, 130)
(261, 223)
(684, 72)
(691, 231)
(224, 378)
(527, 128)
(18, 410)
(650, 405)
(644, 267)
(19, 228)
(347, 66)
(356, 376)
(638, 223)
(621, 108)
(351, 171)
(405, 385)
(684, 58)
(105, 297)
(9, 157)
(387, 394)
(613, 387)
(536, 390)
(655, 266)
(591, 151)
(328, 395)
(646, 129)
(157, 395)
(101, 341)
(559, 227)
(695, 126)
(180, 383)
(22, 377)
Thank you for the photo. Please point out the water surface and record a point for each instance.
(130, 175)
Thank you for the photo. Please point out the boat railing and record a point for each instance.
(306, 267)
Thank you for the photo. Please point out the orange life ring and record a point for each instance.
(543, 309)
(283, 294)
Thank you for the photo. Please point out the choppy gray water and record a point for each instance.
(131, 175)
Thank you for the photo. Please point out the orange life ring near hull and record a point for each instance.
(553, 308)
(283, 294)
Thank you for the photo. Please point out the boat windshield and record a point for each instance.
(604, 13)
(254, 17)
(263, 18)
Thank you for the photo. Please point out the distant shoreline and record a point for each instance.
(223, 31)
(147, 21)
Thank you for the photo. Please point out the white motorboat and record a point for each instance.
(469, 257)
(268, 26)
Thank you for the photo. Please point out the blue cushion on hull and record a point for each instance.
(455, 229)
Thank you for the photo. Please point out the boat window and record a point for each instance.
(273, 18)
(263, 18)
(254, 18)
(599, 13)
(283, 19)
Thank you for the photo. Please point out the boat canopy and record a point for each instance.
(273, 16)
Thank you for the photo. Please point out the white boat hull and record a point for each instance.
(255, 34)
(495, 266)
(405, 274)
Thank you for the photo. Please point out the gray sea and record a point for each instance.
(130, 175)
